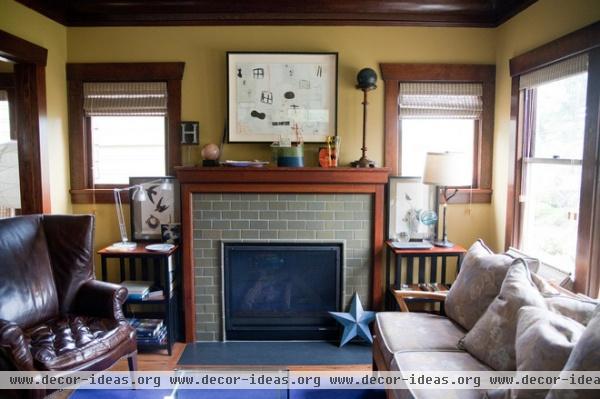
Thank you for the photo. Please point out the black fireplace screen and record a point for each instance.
(281, 291)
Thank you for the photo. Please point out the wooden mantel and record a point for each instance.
(271, 175)
(278, 180)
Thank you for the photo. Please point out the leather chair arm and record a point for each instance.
(100, 299)
(13, 342)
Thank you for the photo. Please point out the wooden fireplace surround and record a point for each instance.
(279, 180)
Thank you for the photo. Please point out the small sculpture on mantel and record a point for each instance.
(366, 80)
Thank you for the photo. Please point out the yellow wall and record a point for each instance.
(29, 25)
(541, 23)
(204, 94)
(204, 84)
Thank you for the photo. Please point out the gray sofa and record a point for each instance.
(460, 342)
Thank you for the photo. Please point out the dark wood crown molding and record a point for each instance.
(474, 13)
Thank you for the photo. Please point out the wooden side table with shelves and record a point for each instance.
(397, 255)
(160, 267)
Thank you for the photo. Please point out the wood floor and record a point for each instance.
(155, 361)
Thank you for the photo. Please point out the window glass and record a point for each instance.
(550, 217)
(4, 122)
(552, 172)
(10, 191)
(420, 136)
(124, 146)
(560, 118)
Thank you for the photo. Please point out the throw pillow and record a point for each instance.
(585, 356)
(477, 284)
(580, 310)
(492, 339)
(544, 342)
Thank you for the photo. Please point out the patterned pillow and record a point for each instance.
(492, 339)
(477, 284)
(584, 357)
(578, 309)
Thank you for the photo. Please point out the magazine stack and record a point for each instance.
(149, 331)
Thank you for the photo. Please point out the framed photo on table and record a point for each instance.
(159, 208)
(408, 200)
(274, 95)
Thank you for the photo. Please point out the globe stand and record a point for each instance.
(210, 162)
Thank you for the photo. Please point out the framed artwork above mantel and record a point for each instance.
(279, 95)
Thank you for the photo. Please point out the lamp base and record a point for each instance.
(125, 245)
(443, 244)
(364, 162)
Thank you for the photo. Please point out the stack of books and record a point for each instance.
(149, 331)
(137, 290)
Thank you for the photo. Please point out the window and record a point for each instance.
(124, 121)
(437, 117)
(551, 181)
(10, 190)
(553, 208)
(438, 108)
(118, 153)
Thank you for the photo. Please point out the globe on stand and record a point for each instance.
(210, 155)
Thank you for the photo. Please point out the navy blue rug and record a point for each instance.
(274, 354)
(230, 394)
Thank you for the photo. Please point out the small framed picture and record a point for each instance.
(171, 232)
(161, 206)
(411, 208)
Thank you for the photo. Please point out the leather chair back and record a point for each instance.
(27, 288)
(70, 243)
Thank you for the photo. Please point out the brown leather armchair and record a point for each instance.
(54, 314)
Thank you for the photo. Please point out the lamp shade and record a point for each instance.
(447, 169)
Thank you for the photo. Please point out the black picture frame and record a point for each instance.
(143, 227)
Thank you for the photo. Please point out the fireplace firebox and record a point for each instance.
(281, 291)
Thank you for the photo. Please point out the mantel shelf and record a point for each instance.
(274, 175)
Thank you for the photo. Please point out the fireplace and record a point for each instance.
(281, 290)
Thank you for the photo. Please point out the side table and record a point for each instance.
(160, 267)
(421, 256)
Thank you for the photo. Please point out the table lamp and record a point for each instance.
(446, 170)
(139, 195)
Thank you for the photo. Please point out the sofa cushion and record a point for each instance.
(27, 285)
(585, 356)
(65, 343)
(477, 284)
(401, 331)
(492, 339)
(436, 360)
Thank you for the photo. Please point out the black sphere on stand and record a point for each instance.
(366, 81)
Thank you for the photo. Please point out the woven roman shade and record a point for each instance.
(125, 98)
(440, 100)
(556, 71)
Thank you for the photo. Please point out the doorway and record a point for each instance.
(28, 123)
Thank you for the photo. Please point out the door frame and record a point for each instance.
(30, 88)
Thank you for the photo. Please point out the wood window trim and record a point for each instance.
(586, 39)
(82, 189)
(394, 74)
(30, 99)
